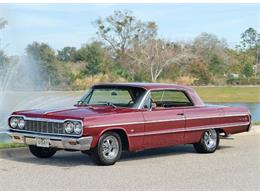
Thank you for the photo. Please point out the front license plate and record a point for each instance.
(43, 142)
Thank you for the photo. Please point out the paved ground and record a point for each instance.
(235, 166)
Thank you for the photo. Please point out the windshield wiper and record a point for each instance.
(81, 102)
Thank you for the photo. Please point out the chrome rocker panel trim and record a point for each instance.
(82, 143)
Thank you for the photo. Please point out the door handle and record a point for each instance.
(180, 114)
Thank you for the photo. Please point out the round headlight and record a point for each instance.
(21, 123)
(78, 128)
(69, 127)
(14, 122)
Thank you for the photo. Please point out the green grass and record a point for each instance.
(229, 94)
(256, 123)
(10, 145)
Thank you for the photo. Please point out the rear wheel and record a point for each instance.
(208, 143)
(108, 149)
(40, 152)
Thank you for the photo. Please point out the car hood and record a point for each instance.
(75, 112)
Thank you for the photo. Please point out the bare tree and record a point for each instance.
(120, 29)
(152, 57)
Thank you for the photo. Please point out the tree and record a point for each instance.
(199, 70)
(44, 58)
(250, 38)
(94, 56)
(250, 45)
(152, 57)
(213, 51)
(248, 70)
(122, 28)
(67, 54)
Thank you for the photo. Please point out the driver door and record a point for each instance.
(164, 118)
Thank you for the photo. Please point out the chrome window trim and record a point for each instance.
(47, 120)
(141, 106)
(143, 100)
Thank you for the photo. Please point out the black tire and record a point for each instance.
(40, 152)
(101, 154)
(208, 145)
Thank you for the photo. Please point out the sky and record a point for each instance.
(62, 25)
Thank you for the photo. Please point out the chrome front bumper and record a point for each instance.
(82, 143)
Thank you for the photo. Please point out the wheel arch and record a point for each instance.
(220, 130)
(123, 135)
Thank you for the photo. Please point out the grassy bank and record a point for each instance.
(256, 123)
(10, 145)
(229, 94)
(244, 94)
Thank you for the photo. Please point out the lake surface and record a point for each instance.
(253, 107)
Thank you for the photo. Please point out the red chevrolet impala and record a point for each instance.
(111, 118)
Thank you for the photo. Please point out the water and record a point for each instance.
(253, 107)
(21, 85)
(34, 100)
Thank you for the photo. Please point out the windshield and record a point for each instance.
(119, 96)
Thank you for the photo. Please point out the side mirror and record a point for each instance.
(152, 104)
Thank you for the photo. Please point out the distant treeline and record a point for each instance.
(128, 49)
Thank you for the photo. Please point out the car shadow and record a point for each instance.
(60, 159)
(222, 147)
(72, 159)
(158, 152)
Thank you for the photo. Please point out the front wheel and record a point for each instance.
(108, 149)
(41, 152)
(208, 143)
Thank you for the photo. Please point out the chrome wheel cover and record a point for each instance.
(110, 147)
(210, 138)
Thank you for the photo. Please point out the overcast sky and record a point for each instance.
(63, 25)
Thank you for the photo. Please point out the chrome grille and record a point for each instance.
(44, 127)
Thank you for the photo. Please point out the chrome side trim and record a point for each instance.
(164, 120)
(134, 123)
(217, 116)
(240, 114)
(177, 130)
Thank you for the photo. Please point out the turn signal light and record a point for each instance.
(72, 143)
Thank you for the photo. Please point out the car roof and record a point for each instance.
(147, 86)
